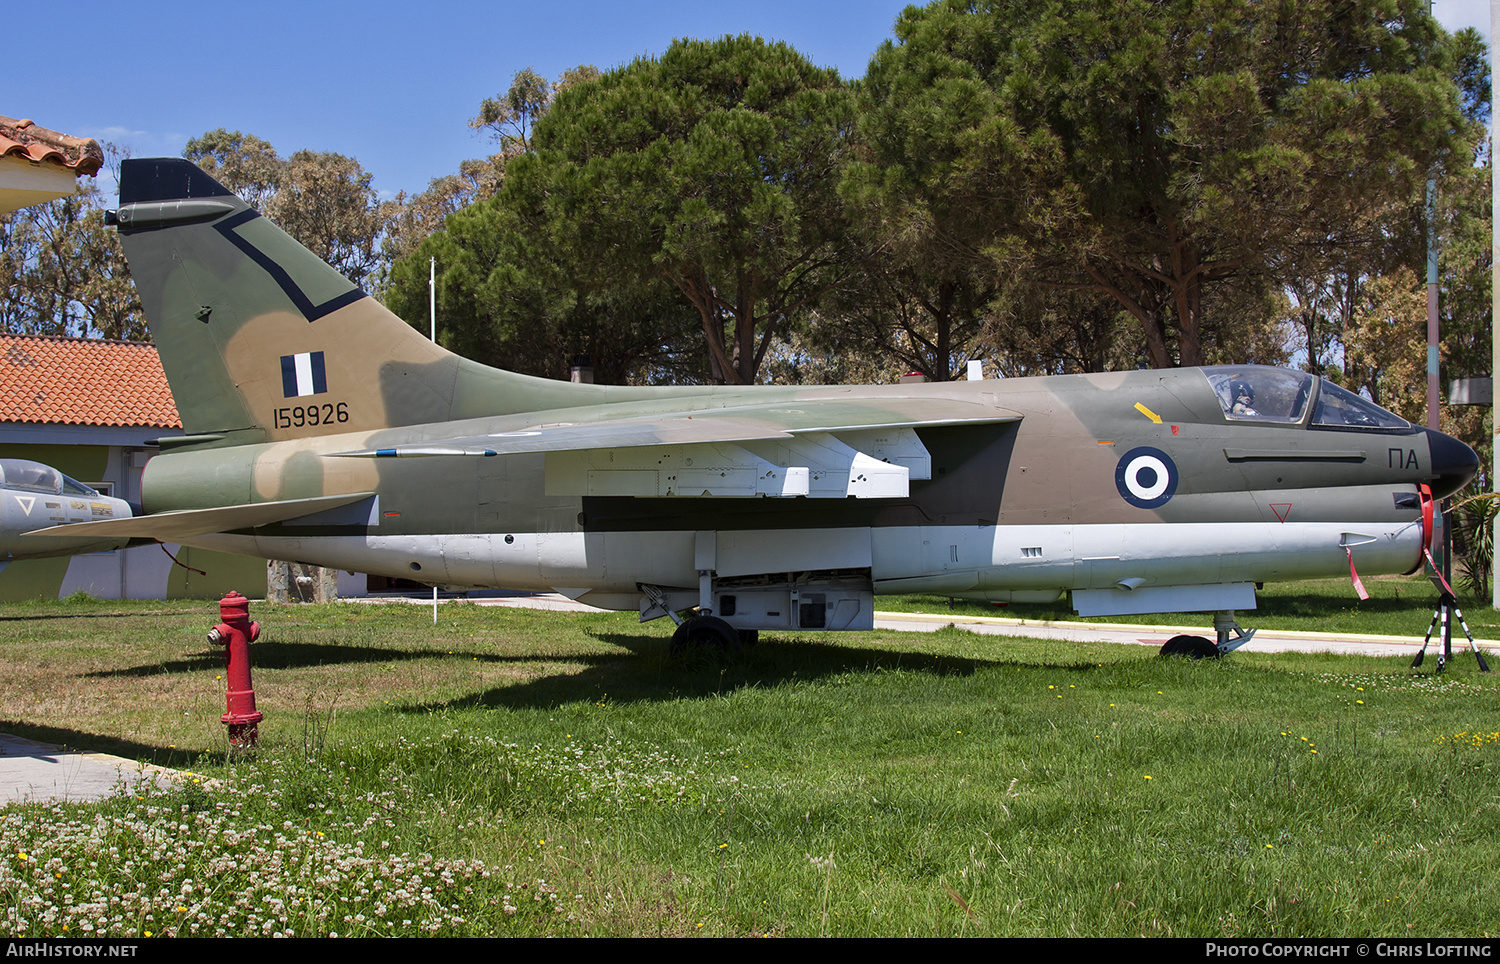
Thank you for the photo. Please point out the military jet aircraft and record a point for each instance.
(35, 496)
(323, 429)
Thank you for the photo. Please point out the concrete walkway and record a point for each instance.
(31, 771)
(1265, 641)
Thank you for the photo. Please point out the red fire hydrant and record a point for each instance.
(235, 634)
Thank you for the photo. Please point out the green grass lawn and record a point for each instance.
(527, 773)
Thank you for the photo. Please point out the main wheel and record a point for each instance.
(1193, 647)
(704, 632)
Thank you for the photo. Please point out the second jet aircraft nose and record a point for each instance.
(1453, 463)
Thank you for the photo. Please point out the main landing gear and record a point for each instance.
(704, 632)
(710, 632)
(1231, 637)
(700, 629)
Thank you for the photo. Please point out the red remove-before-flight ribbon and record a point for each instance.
(1437, 573)
(1359, 587)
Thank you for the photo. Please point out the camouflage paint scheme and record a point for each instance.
(323, 429)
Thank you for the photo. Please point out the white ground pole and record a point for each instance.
(432, 321)
(1494, 285)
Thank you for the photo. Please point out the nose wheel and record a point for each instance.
(1231, 637)
(1193, 647)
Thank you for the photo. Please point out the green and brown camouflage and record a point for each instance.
(323, 429)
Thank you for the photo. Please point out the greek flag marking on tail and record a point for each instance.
(303, 374)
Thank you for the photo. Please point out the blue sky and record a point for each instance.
(392, 84)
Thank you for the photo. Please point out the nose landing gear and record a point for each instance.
(1231, 637)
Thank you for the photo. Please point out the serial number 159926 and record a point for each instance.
(297, 416)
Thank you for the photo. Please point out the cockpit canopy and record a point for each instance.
(1257, 393)
(36, 477)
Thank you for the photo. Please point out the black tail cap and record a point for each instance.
(166, 179)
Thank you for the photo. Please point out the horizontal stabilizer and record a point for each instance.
(175, 526)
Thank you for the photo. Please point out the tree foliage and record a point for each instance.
(512, 117)
(714, 168)
(502, 304)
(64, 271)
(509, 119)
(417, 217)
(1152, 150)
(324, 200)
(247, 165)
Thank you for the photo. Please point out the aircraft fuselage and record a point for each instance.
(1115, 486)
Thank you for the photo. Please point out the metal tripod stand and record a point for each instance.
(1447, 608)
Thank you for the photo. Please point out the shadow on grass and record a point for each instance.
(650, 674)
(23, 617)
(300, 655)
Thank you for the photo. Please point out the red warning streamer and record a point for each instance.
(1437, 573)
(1359, 587)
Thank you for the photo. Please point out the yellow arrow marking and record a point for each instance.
(1148, 413)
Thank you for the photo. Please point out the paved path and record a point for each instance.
(40, 771)
(1266, 641)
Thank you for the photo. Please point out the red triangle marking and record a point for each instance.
(1282, 509)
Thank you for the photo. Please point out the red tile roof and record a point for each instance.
(78, 381)
(25, 139)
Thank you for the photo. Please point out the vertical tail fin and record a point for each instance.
(263, 341)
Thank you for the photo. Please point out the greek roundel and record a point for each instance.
(1146, 477)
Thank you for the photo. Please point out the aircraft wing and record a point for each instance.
(174, 526)
(739, 424)
(828, 448)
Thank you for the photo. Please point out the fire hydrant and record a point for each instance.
(235, 634)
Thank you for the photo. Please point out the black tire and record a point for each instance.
(704, 632)
(1193, 647)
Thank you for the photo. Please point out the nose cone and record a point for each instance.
(1453, 463)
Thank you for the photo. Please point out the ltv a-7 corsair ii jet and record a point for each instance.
(324, 429)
